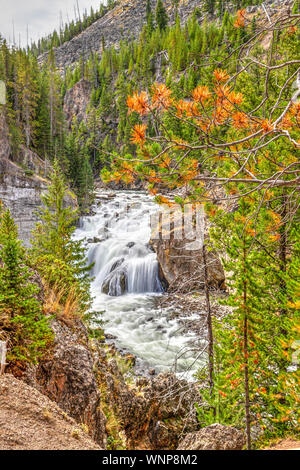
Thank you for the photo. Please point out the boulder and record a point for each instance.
(115, 283)
(214, 437)
(117, 264)
(181, 269)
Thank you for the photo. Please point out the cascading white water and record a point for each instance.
(123, 263)
(126, 281)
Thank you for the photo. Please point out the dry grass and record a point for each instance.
(64, 304)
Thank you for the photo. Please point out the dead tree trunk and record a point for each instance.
(209, 322)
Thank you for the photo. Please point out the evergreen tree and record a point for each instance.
(210, 6)
(148, 9)
(22, 322)
(161, 16)
(86, 183)
(59, 258)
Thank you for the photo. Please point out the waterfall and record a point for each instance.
(143, 275)
(123, 261)
(126, 282)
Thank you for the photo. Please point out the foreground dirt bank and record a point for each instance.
(30, 421)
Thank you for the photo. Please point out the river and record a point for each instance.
(126, 286)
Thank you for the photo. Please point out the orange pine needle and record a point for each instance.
(139, 134)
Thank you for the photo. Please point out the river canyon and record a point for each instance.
(126, 286)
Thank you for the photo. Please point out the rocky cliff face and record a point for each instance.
(97, 386)
(23, 178)
(124, 21)
(76, 101)
(21, 195)
(21, 182)
(148, 413)
(67, 377)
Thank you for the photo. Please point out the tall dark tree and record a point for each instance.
(161, 16)
(59, 258)
(210, 6)
(22, 322)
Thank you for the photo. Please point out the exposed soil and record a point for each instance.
(285, 444)
(30, 421)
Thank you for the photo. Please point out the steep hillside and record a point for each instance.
(126, 20)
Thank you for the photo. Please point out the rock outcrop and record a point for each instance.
(96, 385)
(31, 421)
(67, 377)
(214, 437)
(22, 195)
(182, 269)
(126, 20)
(23, 178)
(152, 412)
(76, 101)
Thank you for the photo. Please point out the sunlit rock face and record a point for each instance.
(182, 269)
(214, 437)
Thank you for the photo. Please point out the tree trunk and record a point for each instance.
(246, 362)
(246, 377)
(283, 248)
(209, 323)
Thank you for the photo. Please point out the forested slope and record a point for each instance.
(36, 95)
(204, 110)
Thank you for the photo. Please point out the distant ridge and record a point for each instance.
(124, 21)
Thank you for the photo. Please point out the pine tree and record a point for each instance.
(253, 344)
(210, 6)
(86, 183)
(148, 9)
(22, 322)
(161, 16)
(28, 95)
(60, 259)
(55, 107)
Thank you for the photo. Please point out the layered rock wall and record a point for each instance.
(21, 182)
(23, 178)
